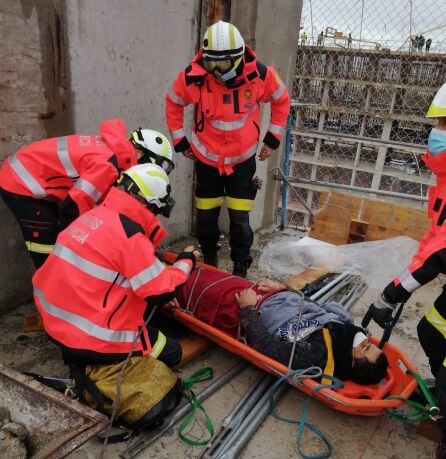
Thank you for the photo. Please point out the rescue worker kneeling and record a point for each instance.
(97, 284)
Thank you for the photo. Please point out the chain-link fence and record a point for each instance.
(366, 72)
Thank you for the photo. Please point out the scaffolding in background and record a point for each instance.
(357, 123)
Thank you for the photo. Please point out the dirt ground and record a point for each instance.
(351, 437)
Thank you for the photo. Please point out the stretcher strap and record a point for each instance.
(313, 372)
(204, 374)
(420, 412)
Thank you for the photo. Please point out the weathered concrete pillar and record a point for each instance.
(271, 27)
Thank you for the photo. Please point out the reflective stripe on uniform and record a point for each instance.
(26, 177)
(147, 275)
(209, 203)
(159, 345)
(202, 149)
(436, 320)
(215, 158)
(62, 153)
(239, 204)
(39, 248)
(175, 98)
(90, 328)
(275, 128)
(243, 157)
(88, 267)
(177, 134)
(233, 125)
(277, 94)
(182, 266)
(330, 366)
(408, 281)
(88, 188)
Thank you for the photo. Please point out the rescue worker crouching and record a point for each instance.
(95, 287)
(49, 183)
(426, 265)
(225, 82)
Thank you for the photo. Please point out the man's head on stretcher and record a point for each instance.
(267, 315)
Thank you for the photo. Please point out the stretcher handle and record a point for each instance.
(388, 330)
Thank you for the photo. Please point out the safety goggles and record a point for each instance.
(220, 65)
(162, 161)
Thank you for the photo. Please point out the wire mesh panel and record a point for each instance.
(366, 72)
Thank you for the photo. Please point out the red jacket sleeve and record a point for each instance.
(426, 265)
(277, 94)
(148, 276)
(97, 174)
(176, 99)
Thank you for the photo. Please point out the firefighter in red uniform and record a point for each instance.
(225, 82)
(103, 275)
(426, 265)
(47, 184)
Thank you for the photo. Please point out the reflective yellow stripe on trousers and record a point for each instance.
(39, 248)
(436, 320)
(158, 345)
(231, 203)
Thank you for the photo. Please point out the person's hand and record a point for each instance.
(188, 153)
(191, 248)
(173, 304)
(246, 297)
(268, 285)
(381, 311)
(265, 152)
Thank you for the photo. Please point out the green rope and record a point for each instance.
(420, 412)
(205, 374)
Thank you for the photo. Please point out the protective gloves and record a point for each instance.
(381, 311)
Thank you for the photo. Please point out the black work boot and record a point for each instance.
(240, 268)
(211, 259)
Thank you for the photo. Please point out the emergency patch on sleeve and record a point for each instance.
(130, 227)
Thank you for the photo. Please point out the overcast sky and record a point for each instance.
(385, 21)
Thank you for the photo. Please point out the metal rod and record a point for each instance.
(295, 193)
(354, 298)
(247, 430)
(177, 415)
(233, 420)
(286, 168)
(362, 190)
(329, 295)
(329, 286)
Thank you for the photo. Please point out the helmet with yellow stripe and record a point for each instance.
(437, 108)
(149, 184)
(223, 49)
(154, 146)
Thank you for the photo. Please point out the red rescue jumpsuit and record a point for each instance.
(49, 183)
(224, 140)
(93, 291)
(426, 265)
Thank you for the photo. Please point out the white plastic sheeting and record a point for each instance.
(378, 262)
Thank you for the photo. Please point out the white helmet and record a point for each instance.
(437, 108)
(149, 184)
(155, 147)
(223, 49)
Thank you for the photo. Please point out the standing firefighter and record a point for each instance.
(49, 183)
(226, 82)
(427, 264)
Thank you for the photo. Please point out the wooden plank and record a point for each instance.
(193, 346)
(335, 211)
(357, 232)
(306, 277)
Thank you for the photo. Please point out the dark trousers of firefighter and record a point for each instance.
(38, 221)
(433, 343)
(237, 192)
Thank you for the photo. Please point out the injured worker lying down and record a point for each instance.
(266, 314)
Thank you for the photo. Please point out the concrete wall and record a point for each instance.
(33, 105)
(123, 57)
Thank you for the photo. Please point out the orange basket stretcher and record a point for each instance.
(352, 398)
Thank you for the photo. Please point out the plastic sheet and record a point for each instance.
(378, 262)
